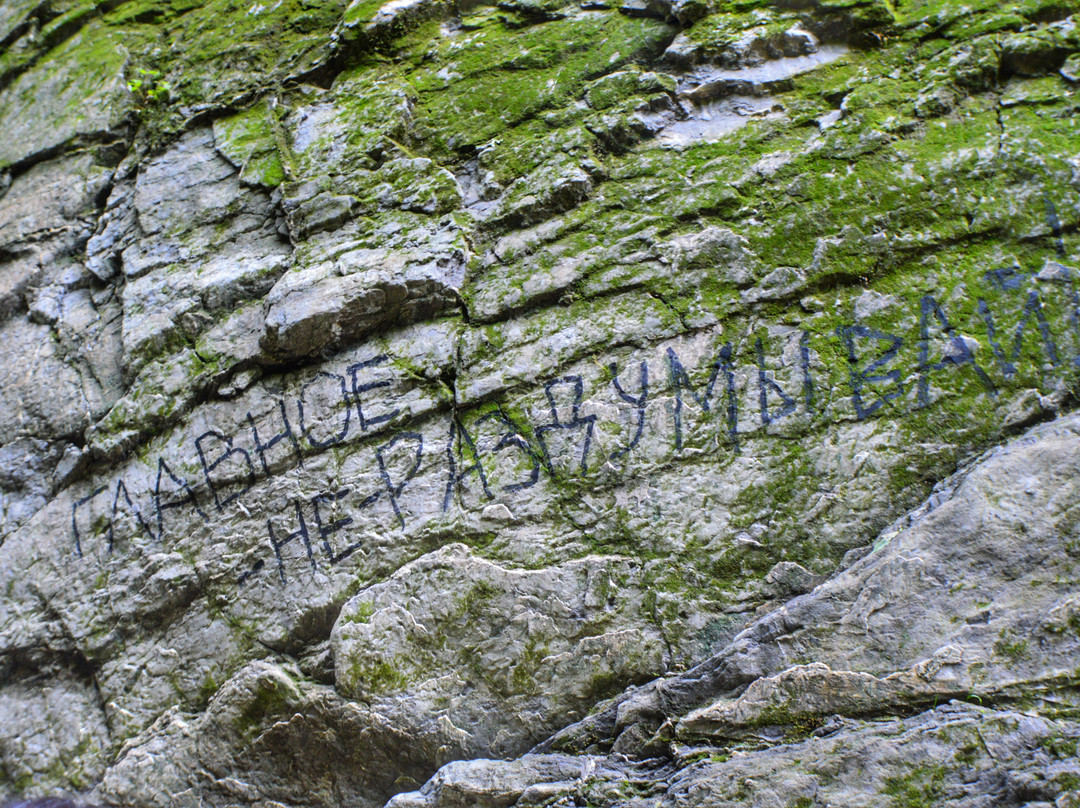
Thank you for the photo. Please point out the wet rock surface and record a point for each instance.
(539, 403)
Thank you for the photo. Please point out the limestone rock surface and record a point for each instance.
(950, 694)
(539, 402)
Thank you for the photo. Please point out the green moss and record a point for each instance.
(360, 12)
(374, 676)
(478, 595)
(249, 140)
(207, 689)
(364, 610)
(1061, 747)
(236, 45)
(523, 677)
(968, 753)
(1012, 649)
(795, 724)
(492, 77)
(212, 53)
(616, 87)
(81, 77)
(917, 789)
(717, 32)
(272, 697)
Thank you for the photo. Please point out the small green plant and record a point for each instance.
(148, 87)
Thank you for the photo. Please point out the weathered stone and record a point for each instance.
(46, 722)
(76, 91)
(492, 783)
(958, 754)
(62, 407)
(302, 743)
(323, 307)
(50, 196)
(991, 527)
(391, 384)
(26, 472)
(511, 653)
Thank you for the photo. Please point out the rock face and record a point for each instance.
(665, 402)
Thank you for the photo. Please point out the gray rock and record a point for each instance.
(717, 248)
(265, 737)
(511, 653)
(944, 580)
(61, 718)
(957, 754)
(391, 384)
(329, 305)
(67, 97)
(26, 465)
(493, 783)
(61, 407)
(50, 196)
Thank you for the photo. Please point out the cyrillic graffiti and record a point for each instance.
(729, 391)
